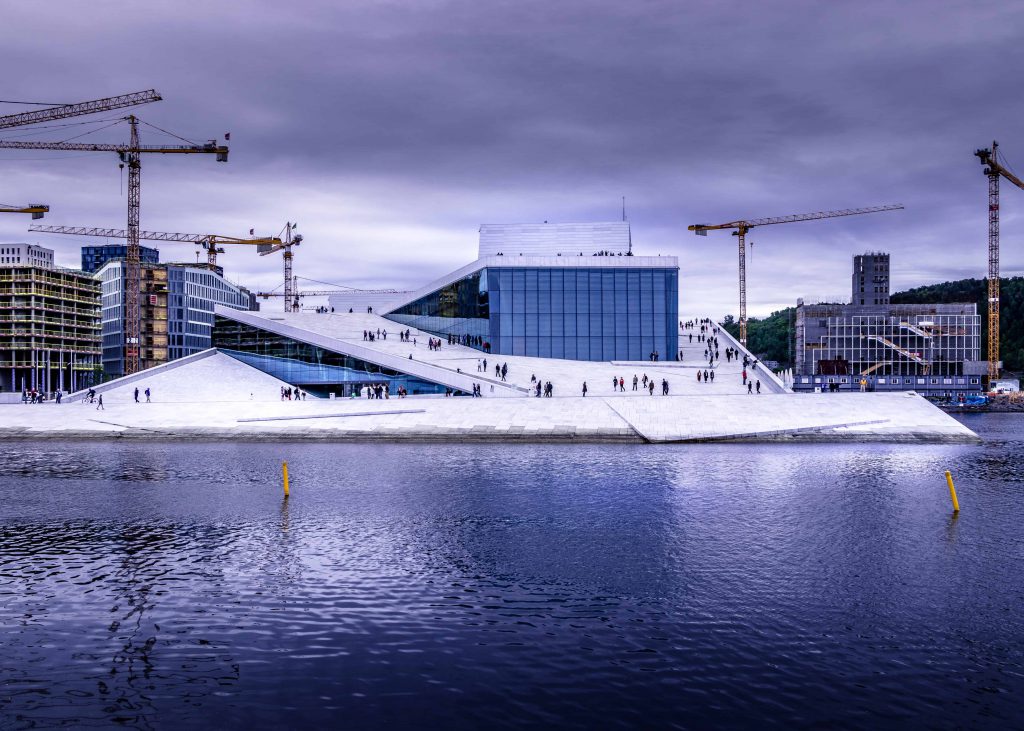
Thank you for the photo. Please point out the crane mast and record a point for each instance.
(993, 171)
(742, 228)
(133, 271)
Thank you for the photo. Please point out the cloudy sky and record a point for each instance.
(390, 130)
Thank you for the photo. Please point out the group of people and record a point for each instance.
(470, 341)
(35, 396)
(324, 310)
(404, 335)
(288, 393)
(541, 388)
(379, 391)
(434, 343)
(370, 336)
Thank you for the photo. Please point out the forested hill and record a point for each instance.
(770, 337)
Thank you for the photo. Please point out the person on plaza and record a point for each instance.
(615, 383)
(622, 384)
(147, 395)
(650, 386)
(99, 404)
(635, 381)
(705, 375)
(136, 394)
(664, 387)
(645, 380)
(712, 376)
(59, 395)
(744, 374)
(584, 389)
(757, 386)
(750, 387)
(504, 370)
(698, 376)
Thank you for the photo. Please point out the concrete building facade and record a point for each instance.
(870, 279)
(49, 322)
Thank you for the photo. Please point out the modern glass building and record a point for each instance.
(94, 257)
(597, 308)
(314, 368)
(579, 295)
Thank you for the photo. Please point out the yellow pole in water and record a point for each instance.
(952, 492)
(284, 469)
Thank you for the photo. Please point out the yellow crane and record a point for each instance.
(989, 157)
(212, 243)
(130, 154)
(291, 301)
(744, 226)
(38, 210)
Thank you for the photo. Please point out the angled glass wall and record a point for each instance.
(578, 313)
(314, 369)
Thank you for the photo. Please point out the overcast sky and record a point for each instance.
(390, 130)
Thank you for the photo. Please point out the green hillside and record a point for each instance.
(769, 337)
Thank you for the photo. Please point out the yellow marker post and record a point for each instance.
(284, 469)
(952, 492)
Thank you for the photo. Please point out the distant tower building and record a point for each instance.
(870, 279)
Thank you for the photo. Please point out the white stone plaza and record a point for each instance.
(213, 395)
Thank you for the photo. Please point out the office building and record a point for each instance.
(49, 322)
(94, 257)
(176, 304)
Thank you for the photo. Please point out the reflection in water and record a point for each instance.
(167, 585)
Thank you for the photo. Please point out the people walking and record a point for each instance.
(584, 389)
(758, 386)
(136, 394)
(635, 381)
(147, 395)
(750, 387)
(99, 404)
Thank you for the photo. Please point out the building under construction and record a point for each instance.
(873, 345)
(49, 322)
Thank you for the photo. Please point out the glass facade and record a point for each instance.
(314, 369)
(578, 313)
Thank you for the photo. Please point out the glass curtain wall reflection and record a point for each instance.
(592, 313)
(314, 369)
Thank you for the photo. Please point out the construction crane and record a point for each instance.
(993, 169)
(742, 227)
(38, 210)
(64, 111)
(211, 242)
(131, 155)
(291, 301)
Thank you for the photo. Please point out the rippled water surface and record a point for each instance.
(466, 586)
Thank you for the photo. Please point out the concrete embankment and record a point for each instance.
(767, 418)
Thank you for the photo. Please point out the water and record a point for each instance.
(468, 586)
